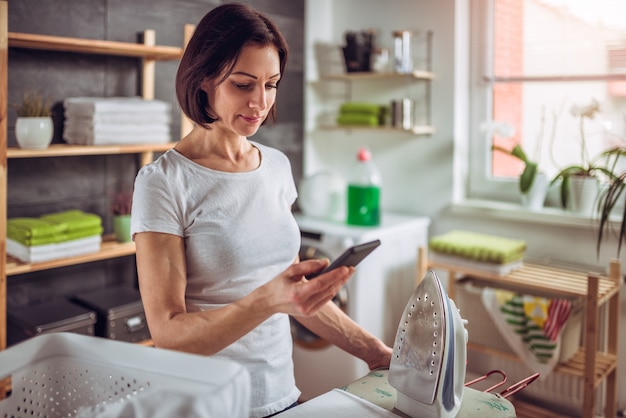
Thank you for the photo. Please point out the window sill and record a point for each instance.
(517, 213)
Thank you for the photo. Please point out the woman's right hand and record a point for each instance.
(291, 293)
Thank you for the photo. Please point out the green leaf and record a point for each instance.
(518, 152)
(527, 177)
(564, 191)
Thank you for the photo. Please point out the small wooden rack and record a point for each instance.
(594, 362)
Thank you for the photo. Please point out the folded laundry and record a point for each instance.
(355, 107)
(531, 325)
(47, 252)
(84, 232)
(481, 247)
(116, 121)
(53, 228)
(501, 269)
(366, 114)
(74, 219)
(143, 118)
(93, 105)
(32, 227)
(38, 240)
(358, 119)
(118, 128)
(115, 139)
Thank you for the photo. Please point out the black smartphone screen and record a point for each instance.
(351, 257)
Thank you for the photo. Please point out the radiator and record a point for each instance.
(558, 392)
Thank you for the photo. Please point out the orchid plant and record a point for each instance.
(596, 167)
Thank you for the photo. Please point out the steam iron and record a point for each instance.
(430, 354)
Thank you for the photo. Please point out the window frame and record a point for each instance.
(481, 184)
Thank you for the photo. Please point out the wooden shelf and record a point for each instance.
(109, 249)
(540, 279)
(62, 150)
(93, 46)
(416, 130)
(575, 366)
(417, 75)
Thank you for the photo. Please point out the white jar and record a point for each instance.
(380, 60)
(402, 53)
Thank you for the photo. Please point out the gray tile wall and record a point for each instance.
(45, 185)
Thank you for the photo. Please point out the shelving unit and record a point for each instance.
(149, 53)
(416, 76)
(594, 362)
(416, 130)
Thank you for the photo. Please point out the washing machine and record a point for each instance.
(374, 297)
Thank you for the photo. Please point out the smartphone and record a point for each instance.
(351, 257)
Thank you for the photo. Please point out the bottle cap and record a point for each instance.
(364, 154)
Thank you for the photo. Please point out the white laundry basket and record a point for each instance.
(72, 375)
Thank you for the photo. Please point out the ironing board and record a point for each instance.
(373, 396)
(375, 388)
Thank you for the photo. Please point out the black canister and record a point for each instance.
(402, 114)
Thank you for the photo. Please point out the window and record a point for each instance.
(534, 63)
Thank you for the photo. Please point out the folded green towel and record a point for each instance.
(32, 227)
(74, 219)
(54, 227)
(480, 247)
(40, 240)
(364, 108)
(357, 119)
(84, 232)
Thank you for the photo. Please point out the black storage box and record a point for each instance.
(120, 313)
(58, 315)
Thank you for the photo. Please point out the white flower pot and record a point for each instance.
(34, 132)
(583, 194)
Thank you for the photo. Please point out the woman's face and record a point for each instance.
(244, 99)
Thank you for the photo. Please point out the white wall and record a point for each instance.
(414, 169)
(421, 174)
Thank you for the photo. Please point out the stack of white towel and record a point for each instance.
(116, 121)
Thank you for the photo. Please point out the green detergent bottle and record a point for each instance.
(364, 184)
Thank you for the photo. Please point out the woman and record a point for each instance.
(216, 242)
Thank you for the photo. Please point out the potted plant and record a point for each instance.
(580, 182)
(527, 178)
(610, 197)
(34, 127)
(122, 205)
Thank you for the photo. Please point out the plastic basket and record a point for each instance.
(70, 375)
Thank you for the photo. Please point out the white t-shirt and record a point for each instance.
(239, 233)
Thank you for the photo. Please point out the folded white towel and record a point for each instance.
(117, 139)
(143, 118)
(95, 105)
(47, 252)
(72, 129)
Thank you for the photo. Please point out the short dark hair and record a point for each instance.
(215, 47)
